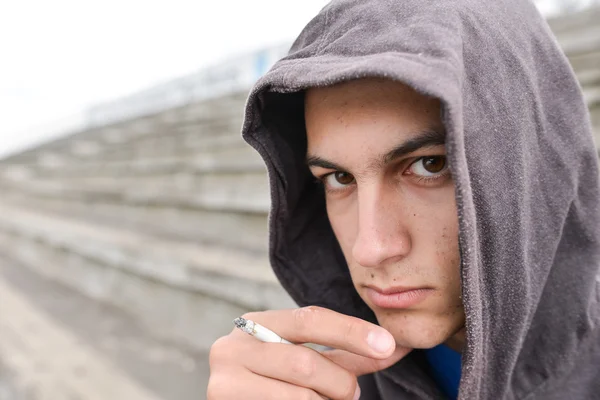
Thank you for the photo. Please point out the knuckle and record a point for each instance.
(308, 394)
(351, 331)
(305, 366)
(216, 388)
(304, 317)
(348, 387)
(219, 351)
(212, 391)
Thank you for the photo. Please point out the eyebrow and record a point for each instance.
(426, 138)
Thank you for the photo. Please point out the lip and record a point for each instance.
(397, 297)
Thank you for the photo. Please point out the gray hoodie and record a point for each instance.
(527, 186)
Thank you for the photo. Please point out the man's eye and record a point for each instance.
(429, 166)
(339, 180)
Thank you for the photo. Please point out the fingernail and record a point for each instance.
(356, 393)
(380, 341)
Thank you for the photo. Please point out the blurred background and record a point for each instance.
(133, 218)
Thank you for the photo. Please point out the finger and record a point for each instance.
(243, 384)
(300, 366)
(326, 327)
(241, 351)
(360, 365)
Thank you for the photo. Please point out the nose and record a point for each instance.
(383, 235)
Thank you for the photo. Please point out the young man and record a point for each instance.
(435, 201)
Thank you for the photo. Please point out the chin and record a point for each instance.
(420, 330)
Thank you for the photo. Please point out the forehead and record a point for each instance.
(366, 116)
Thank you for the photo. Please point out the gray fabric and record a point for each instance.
(520, 149)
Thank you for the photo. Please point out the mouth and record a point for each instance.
(397, 297)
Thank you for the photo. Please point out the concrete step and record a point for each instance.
(53, 340)
(586, 62)
(581, 20)
(239, 160)
(159, 133)
(130, 269)
(580, 41)
(244, 231)
(48, 361)
(226, 159)
(592, 96)
(589, 78)
(196, 115)
(220, 108)
(170, 148)
(166, 143)
(226, 106)
(221, 116)
(235, 192)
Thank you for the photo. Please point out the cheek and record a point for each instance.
(435, 235)
(435, 239)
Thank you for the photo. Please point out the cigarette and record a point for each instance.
(268, 336)
(258, 331)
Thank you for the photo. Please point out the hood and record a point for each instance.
(525, 168)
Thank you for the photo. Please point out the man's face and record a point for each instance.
(378, 148)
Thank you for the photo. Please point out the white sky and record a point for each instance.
(58, 57)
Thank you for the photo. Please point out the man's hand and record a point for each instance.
(244, 367)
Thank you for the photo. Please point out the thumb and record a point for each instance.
(361, 365)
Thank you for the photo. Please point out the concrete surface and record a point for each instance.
(170, 286)
(56, 344)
